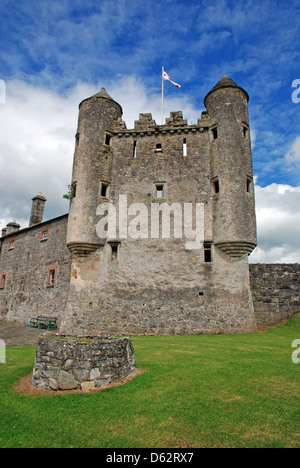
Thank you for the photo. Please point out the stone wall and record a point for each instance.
(69, 364)
(29, 289)
(276, 292)
(182, 307)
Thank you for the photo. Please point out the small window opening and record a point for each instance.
(158, 148)
(184, 148)
(11, 244)
(114, 251)
(134, 150)
(51, 277)
(207, 253)
(245, 132)
(45, 235)
(3, 281)
(216, 186)
(108, 139)
(159, 191)
(52, 274)
(214, 132)
(104, 190)
(249, 183)
(201, 293)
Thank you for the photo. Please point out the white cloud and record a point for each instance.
(37, 129)
(293, 155)
(278, 222)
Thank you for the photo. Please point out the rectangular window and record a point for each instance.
(158, 148)
(45, 233)
(134, 150)
(214, 133)
(12, 244)
(159, 190)
(114, 251)
(216, 186)
(3, 281)
(108, 138)
(104, 189)
(207, 253)
(52, 275)
(184, 148)
(245, 132)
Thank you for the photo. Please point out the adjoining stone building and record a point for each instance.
(137, 279)
(34, 267)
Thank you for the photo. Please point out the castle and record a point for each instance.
(140, 274)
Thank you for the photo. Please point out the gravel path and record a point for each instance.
(16, 334)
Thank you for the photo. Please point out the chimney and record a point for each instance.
(37, 210)
(12, 227)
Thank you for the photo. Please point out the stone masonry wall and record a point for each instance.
(275, 287)
(28, 290)
(67, 364)
(276, 292)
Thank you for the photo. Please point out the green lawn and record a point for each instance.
(198, 391)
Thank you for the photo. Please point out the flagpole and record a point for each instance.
(162, 97)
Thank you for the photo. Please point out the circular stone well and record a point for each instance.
(69, 363)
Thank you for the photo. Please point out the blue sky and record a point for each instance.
(55, 53)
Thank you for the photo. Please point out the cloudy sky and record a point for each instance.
(54, 54)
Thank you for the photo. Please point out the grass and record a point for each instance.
(198, 391)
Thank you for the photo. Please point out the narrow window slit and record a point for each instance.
(114, 251)
(3, 281)
(104, 191)
(216, 186)
(214, 132)
(207, 253)
(184, 149)
(249, 184)
(108, 139)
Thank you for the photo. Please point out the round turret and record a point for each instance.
(98, 116)
(231, 169)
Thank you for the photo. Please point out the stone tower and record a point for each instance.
(155, 284)
(234, 227)
(98, 116)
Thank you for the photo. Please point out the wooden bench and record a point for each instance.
(43, 322)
